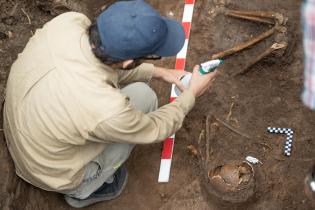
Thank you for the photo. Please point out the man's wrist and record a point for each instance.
(186, 101)
(193, 91)
(158, 72)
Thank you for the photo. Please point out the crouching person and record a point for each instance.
(77, 103)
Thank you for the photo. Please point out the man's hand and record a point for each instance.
(171, 76)
(200, 83)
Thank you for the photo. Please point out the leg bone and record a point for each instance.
(268, 51)
(244, 45)
(252, 18)
(274, 15)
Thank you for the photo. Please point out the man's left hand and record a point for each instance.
(170, 75)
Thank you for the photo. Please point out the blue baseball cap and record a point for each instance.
(133, 29)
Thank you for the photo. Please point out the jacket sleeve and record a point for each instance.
(142, 73)
(134, 127)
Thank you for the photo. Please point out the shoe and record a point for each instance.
(107, 191)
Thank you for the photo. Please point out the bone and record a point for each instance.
(232, 128)
(244, 45)
(274, 15)
(201, 139)
(252, 18)
(268, 51)
(208, 138)
(13, 10)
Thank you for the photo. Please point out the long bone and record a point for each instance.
(268, 51)
(274, 18)
(246, 17)
(244, 45)
(277, 17)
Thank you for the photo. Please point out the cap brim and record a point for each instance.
(175, 39)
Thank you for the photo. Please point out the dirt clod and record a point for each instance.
(192, 150)
(9, 20)
(3, 36)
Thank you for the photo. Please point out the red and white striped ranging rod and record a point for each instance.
(167, 153)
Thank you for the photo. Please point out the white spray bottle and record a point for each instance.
(205, 68)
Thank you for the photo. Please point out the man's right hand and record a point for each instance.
(200, 83)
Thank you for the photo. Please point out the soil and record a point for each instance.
(268, 95)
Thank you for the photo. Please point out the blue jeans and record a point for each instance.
(102, 168)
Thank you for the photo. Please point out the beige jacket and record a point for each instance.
(63, 106)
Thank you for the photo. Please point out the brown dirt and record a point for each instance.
(268, 95)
